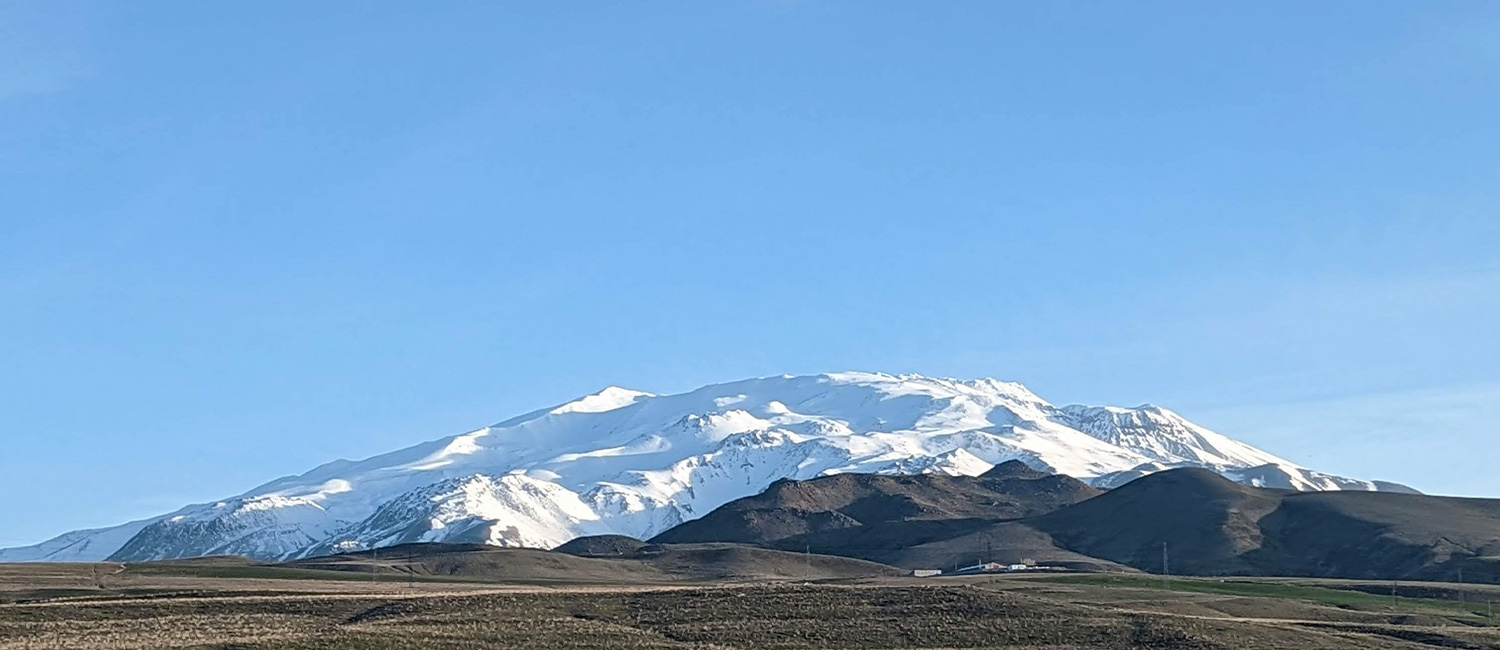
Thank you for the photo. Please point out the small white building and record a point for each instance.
(986, 567)
(926, 573)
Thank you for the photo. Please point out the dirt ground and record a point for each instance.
(73, 607)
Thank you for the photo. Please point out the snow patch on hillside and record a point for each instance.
(634, 463)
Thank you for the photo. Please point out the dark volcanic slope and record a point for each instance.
(1376, 535)
(1214, 526)
(1207, 521)
(1210, 525)
(602, 546)
(876, 516)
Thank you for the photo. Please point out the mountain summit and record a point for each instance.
(633, 463)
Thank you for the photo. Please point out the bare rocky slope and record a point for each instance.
(1194, 520)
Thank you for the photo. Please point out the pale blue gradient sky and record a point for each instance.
(237, 241)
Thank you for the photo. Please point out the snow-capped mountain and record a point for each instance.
(628, 462)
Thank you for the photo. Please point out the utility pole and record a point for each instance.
(806, 563)
(1461, 597)
(1166, 569)
(1395, 600)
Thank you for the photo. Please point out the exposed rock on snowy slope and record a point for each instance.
(633, 463)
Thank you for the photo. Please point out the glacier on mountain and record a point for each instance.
(634, 463)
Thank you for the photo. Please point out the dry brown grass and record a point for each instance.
(266, 614)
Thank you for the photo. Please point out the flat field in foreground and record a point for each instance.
(208, 605)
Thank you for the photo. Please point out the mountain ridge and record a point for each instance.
(1205, 523)
(621, 461)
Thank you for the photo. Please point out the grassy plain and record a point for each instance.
(227, 604)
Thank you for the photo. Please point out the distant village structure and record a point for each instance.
(1026, 564)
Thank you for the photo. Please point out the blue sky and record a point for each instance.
(237, 241)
